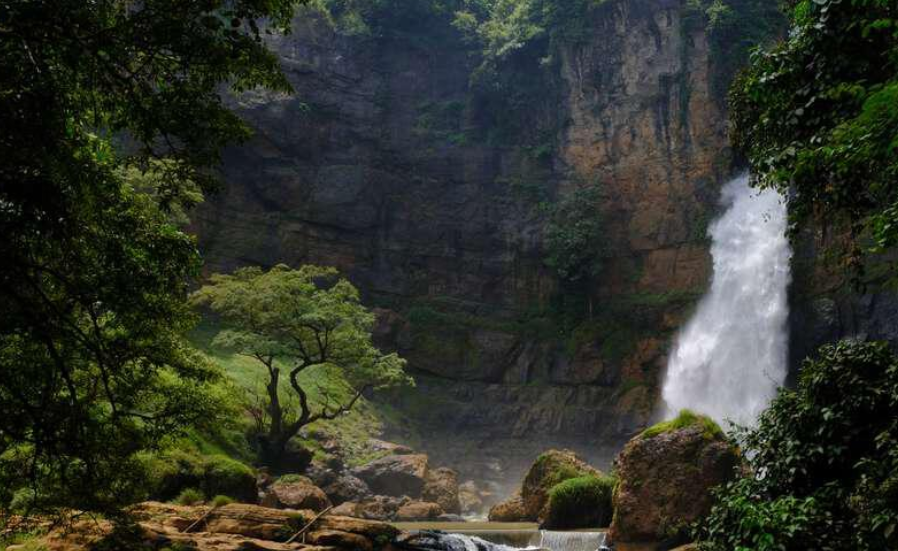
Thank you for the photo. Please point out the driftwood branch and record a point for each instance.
(309, 525)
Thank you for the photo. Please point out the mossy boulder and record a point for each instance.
(582, 502)
(665, 478)
(177, 470)
(549, 469)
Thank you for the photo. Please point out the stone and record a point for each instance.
(346, 487)
(550, 468)
(441, 486)
(395, 475)
(298, 493)
(340, 539)
(510, 510)
(665, 484)
(374, 508)
(418, 511)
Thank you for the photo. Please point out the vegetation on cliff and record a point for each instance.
(93, 364)
(817, 117)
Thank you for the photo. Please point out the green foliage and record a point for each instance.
(190, 496)
(581, 502)
(502, 27)
(823, 461)
(95, 271)
(314, 322)
(575, 239)
(684, 419)
(817, 116)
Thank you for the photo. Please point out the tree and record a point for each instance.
(301, 320)
(823, 461)
(110, 118)
(817, 117)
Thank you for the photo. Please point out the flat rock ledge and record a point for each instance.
(233, 527)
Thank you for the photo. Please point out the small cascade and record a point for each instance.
(508, 540)
(571, 541)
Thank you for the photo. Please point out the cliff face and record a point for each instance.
(385, 165)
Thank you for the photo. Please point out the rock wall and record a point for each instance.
(385, 164)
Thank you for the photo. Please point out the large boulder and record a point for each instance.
(549, 469)
(395, 475)
(346, 487)
(441, 486)
(510, 510)
(665, 479)
(419, 511)
(295, 492)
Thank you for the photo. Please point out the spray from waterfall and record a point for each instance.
(730, 358)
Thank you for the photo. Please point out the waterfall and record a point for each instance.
(730, 357)
(571, 541)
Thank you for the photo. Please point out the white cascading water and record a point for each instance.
(729, 360)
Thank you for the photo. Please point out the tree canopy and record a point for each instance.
(817, 117)
(110, 120)
(300, 320)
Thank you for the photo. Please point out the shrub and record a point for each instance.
(823, 461)
(582, 502)
(686, 418)
(190, 496)
(221, 501)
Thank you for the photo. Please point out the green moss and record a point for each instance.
(189, 496)
(581, 502)
(221, 501)
(686, 418)
(555, 471)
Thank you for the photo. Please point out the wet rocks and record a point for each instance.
(510, 510)
(419, 511)
(441, 486)
(666, 477)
